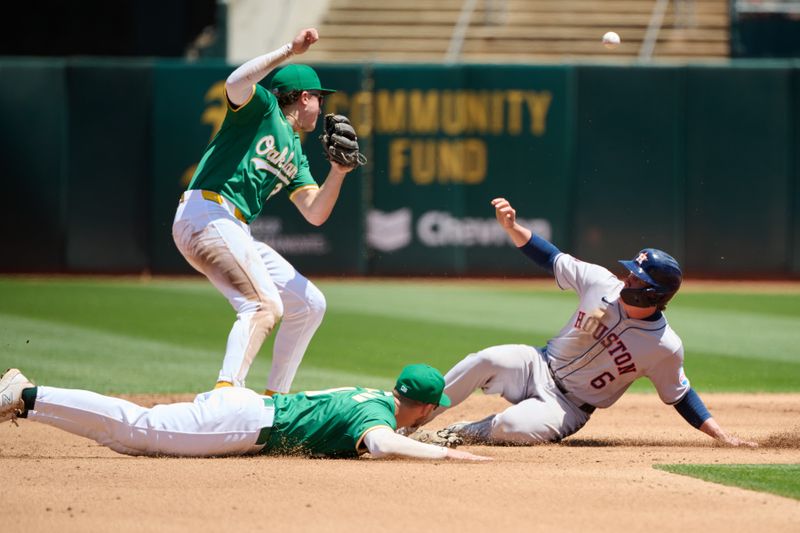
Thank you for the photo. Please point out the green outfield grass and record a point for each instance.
(783, 480)
(168, 335)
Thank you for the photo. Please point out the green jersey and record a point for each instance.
(330, 423)
(255, 154)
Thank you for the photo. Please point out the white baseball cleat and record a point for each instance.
(11, 385)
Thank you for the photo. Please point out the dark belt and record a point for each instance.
(586, 408)
(263, 435)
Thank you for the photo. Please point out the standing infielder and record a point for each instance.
(255, 154)
(617, 335)
(343, 422)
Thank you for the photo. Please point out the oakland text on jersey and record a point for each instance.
(276, 162)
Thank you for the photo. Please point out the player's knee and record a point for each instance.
(267, 314)
(481, 359)
(310, 309)
(316, 303)
(480, 369)
(488, 360)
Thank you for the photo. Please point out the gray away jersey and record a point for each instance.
(601, 351)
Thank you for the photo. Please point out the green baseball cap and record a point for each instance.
(296, 78)
(422, 383)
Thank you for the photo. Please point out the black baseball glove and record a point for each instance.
(340, 143)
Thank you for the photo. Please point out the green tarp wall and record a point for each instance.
(603, 160)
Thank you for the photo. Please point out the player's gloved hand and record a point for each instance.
(340, 143)
(442, 437)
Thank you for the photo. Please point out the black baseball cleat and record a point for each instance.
(12, 384)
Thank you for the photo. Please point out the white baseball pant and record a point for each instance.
(225, 421)
(518, 373)
(258, 282)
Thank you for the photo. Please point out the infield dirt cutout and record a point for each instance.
(598, 480)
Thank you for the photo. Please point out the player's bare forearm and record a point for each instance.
(712, 429)
(382, 443)
(520, 235)
(507, 218)
(316, 205)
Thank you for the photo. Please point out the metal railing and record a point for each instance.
(653, 29)
(459, 32)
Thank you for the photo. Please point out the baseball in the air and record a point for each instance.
(611, 40)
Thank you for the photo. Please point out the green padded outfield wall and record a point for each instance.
(447, 141)
(739, 170)
(75, 162)
(188, 109)
(629, 190)
(702, 161)
(108, 197)
(795, 228)
(33, 165)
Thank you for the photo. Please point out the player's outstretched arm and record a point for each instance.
(316, 205)
(711, 428)
(538, 250)
(694, 411)
(239, 85)
(383, 442)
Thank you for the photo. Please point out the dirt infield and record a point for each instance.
(599, 480)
